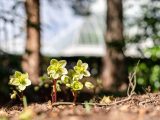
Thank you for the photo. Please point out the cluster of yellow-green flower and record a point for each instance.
(59, 74)
(70, 78)
(20, 81)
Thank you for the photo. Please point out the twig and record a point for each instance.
(147, 101)
(93, 104)
(132, 82)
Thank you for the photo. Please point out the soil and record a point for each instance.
(137, 107)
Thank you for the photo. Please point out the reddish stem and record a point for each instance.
(54, 92)
(75, 97)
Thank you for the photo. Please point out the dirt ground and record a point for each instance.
(137, 107)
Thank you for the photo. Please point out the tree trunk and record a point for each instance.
(31, 58)
(114, 73)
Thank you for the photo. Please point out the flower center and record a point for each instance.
(22, 81)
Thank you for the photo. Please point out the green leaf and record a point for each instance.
(58, 87)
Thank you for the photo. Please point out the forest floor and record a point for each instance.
(137, 107)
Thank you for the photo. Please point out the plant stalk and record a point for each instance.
(75, 97)
(24, 102)
(54, 94)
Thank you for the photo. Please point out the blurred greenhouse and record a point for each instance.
(60, 36)
(70, 29)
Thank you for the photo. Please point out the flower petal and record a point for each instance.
(25, 75)
(87, 73)
(28, 82)
(85, 65)
(64, 71)
(79, 63)
(21, 87)
(54, 76)
(14, 81)
(77, 69)
(50, 68)
(53, 61)
(17, 74)
(62, 63)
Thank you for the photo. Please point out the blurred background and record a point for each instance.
(110, 35)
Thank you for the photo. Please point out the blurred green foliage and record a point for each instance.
(154, 52)
(148, 24)
(148, 72)
(147, 75)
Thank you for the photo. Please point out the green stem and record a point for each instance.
(23, 99)
(54, 94)
(24, 102)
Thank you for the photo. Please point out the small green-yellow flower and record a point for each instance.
(57, 68)
(65, 79)
(81, 68)
(76, 86)
(20, 80)
(89, 85)
(74, 75)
